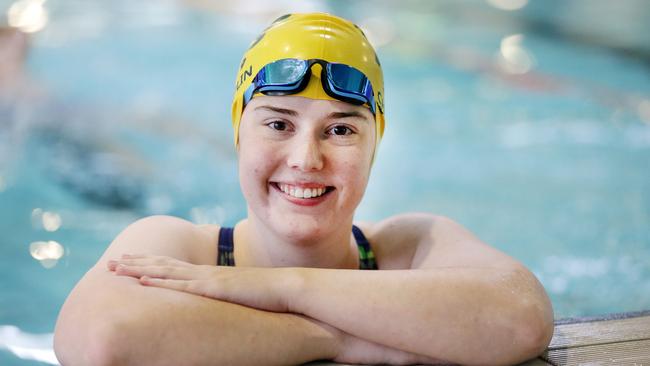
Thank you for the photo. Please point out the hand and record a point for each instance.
(261, 288)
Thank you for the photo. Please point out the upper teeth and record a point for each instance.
(301, 192)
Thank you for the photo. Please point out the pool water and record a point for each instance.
(530, 133)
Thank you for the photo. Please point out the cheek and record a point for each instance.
(254, 170)
(354, 171)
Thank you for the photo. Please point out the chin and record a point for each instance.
(300, 229)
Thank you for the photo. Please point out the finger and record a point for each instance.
(111, 264)
(121, 264)
(178, 285)
(196, 287)
(170, 272)
(148, 260)
(158, 258)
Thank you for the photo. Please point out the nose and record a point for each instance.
(305, 154)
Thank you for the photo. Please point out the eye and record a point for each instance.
(340, 130)
(278, 125)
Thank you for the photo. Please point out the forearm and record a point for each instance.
(461, 315)
(113, 320)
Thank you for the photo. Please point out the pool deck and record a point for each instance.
(616, 339)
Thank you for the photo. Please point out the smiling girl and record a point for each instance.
(298, 280)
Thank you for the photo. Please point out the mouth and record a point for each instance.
(303, 192)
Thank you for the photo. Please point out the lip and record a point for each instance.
(303, 184)
(308, 202)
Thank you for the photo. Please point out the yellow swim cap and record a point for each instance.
(311, 36)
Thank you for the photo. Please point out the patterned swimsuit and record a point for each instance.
(225, 255)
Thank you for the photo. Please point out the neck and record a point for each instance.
(267, 248)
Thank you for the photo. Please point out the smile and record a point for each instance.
(308, 191)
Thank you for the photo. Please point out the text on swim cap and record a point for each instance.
(380, 102)
(243, 76)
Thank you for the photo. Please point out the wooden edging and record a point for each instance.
(614, 316)
(615, 339)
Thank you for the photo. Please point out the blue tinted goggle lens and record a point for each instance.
(282, 72)
(287, 76)
(351, 83)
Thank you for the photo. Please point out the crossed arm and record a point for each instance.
(453, 308)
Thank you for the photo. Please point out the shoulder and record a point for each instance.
(167, 234)
(170, 225)
(424, 240)
(396, 239)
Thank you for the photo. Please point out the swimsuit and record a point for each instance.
(225, 255)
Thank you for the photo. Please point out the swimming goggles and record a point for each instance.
(291, 76)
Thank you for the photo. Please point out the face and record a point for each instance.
(304, 164)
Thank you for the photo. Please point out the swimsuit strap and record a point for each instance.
(225, 255)
(366, 255)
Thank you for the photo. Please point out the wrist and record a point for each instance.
(295, 289)
(330, 339)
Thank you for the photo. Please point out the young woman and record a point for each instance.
(296, 280)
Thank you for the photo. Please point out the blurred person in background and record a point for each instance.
(298, 280)
(13, 52)
(14, 81)
(17, 93)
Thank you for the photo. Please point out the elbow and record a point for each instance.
(525, 337)
(98, 346)
(530, 324)
(535, 327)
(534, 336)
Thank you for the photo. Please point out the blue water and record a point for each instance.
(551, 166)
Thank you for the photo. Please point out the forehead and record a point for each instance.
(307, 107)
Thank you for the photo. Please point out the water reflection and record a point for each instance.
(28, 15)
(28, 346)
(37, 215)
(508, 4)
(514, 58)
(47, 253)
(50, 221)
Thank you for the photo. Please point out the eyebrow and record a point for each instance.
(354, 114)
(333, 115)
(289, 112)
